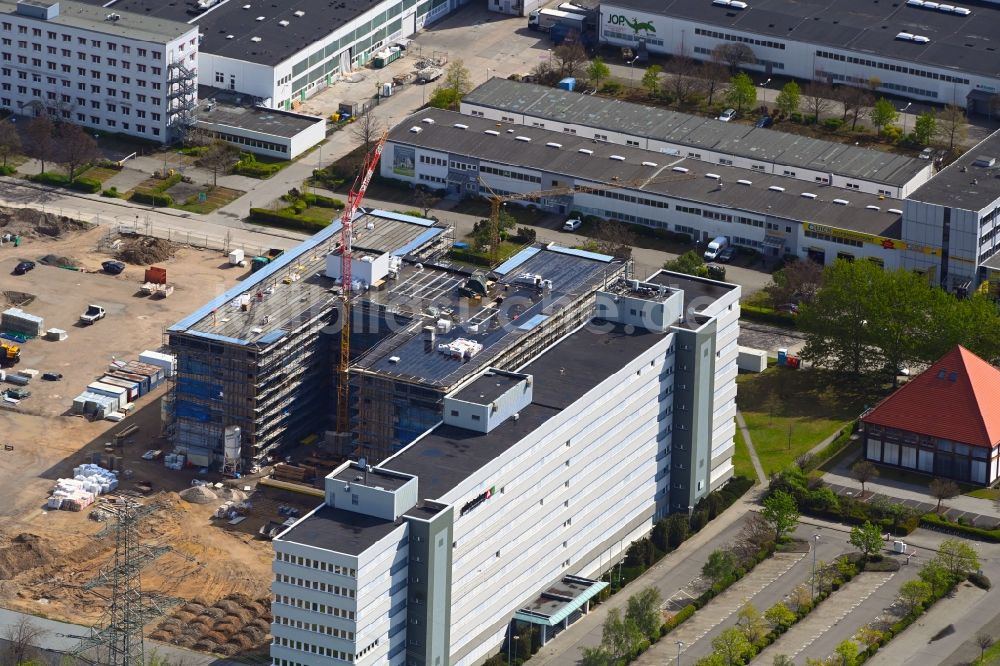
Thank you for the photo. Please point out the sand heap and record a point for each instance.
(198, 495)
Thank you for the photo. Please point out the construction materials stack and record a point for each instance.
(16, 320)
(78, 493)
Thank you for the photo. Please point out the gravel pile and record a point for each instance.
(198, 495)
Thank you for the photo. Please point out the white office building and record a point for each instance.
(536, 481)
(105, 69)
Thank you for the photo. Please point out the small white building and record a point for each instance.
(260, 130)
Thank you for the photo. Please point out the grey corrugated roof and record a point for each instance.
(694, 186)
(963, 184)
(696, 132)
(132, 25)
(960, 43)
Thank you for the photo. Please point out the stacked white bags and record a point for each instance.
(87, 483)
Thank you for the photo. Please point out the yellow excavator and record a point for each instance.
(9, 353)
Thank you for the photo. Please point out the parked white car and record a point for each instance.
(727, 115)
(572, 225)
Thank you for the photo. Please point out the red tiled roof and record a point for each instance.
(957, 398)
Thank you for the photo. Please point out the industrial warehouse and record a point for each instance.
(927, 51)
(772, 192)
(430, 556)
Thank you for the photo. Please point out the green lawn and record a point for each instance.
(790, 411)
(985, 493)
(741, 458)
(216, 197)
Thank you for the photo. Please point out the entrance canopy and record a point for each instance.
(560, 601)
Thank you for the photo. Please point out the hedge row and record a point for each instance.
(285, 219)
(767, 315)
(153, 199)
(256, 169)
(831, 449)
(88, 185)
(468, 256)
(322, 202)
(937, 522)
(7, 171)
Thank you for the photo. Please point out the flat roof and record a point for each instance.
(966, 183)
(959, 43)
(494, 326)
(93, 16)
(294, 285)
(562, 374)
(699, 293)
(372, 478)
(488, 386)
(601, 165)
(319, 19)
(283, 124)
(767, 145)
(339, 530)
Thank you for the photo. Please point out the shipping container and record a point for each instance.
(166, 361)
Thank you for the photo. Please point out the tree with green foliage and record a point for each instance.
(846, 654)
(957, 557)
(780, 616)
(595, 656)
(867, 538)
(925, 128)
(677, 529)
(651, 79)
(597, 71)
(936, 575)
(869, 636)
(781, 513)
(782, 660)
(457, 78)
(445, 98)
(912, 595)
(690, 263)
(883, 114)
(751, 622)
(789, 98)
(720, 566)
(732, 647)
(643, 609)
(742, 93)
(620, 636)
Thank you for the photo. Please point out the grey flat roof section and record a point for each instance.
(372, 478)
(960, 43)
(256, 119)
(277, 43)
(697, 132)
(698, 292)
(571, 276)
(693, 186)
(133, 25)
(563, 374)
(964, 185)
(487, 387)
(339, 530)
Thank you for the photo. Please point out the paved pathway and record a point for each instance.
(757, 467)
(826, 617)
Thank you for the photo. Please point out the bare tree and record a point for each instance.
(75, 149)
(984, 640)
(22, 638)
(10, 141)
(615, 238)
(817, 99)
(220, 156)
(733, 54)
(568, 60)
(368, 130)
(195, 136)
(942, 489)
(715, 75)
(681, 79)
(951, 126)
(863, 472)
(41, 139)
(855, 100)
(425, 199)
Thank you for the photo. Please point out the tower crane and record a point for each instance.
(346, 235)
(498, 200)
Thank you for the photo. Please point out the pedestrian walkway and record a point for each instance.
(828, 614)
(757, 467)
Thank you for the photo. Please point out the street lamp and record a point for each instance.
(680, 644)
(515, 637)
(903, 111)
(812, 594)
(631, 69)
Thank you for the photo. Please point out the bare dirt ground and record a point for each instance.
(50, 561)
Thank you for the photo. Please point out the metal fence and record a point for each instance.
(200, 239)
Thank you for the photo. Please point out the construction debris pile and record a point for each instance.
(18, 298)
(59, 262)
(145, 250)
(25, 551)
(30, 223)
(78, 493)
(234, 625)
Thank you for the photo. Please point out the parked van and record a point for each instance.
(716, 247)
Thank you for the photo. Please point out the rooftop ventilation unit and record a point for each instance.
(984, 161)
(776, 188)
(255, 39)
(283, 23)
(745, 182)
(491, 132)
(427, 121)
(920, 39)
(738, 4)
(650, 164)
(553, 144)
(681, 169)
(260, 18)
(586, 151)
(720, 3)
(617, 158)
(246, 6)
(873, 208)
(841, 202)
(526, 139)
(230, 36)
(416, 130)
(299, 13)
(961, 11)
(905, 36)
(894, 211)
(947, 9)
(914, 3)
(930, 5)
(713, 176)
(808, 195)
(461, 126)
